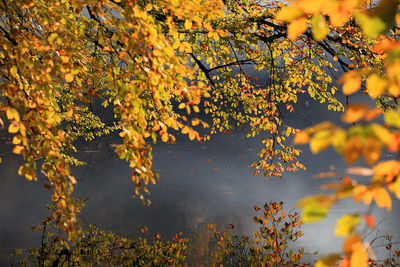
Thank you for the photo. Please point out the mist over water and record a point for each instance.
(200, 183)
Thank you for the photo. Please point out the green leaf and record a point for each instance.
(319, 27)
(392, 118)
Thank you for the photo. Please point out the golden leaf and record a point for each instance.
(18, 149)
(395, 187)
(12, 114)
(372, 150)
(69, 77)
(288, 13)
(346, 224)
(13, 127)
(387, 168)
(376, 85)
(301, 138)
(351, 82)
(382, 198)
(320, 141)
(188, 24)
(359, 257)
(17, 140)
(164, 137)
(361, 192)
(351, 244)
(297, 27)
(354, 112)
(352, 149)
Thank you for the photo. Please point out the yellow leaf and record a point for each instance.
(395, 187)
(382, 198)
(188, 24)
(288, 13)
(196, 109)
(327, 261)
(301, 138)
(164, 137)
(351, 81)
(181, 106)
(192, 134)
(372, 150)
(346, 224)
(16, 140)
(380, 132)
(13, 127)
(18, 150)
(359, 257)
(354, 112)
(69, 77)
(376, 85)
(394, 89)
(185, 130)
(12, 114)
(387, 168)
(297, 27)
(320, 141)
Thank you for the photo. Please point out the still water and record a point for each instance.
(200, 183)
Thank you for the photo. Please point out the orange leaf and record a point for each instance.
(351, 243)
(387, 168)
(297, 27)
(18, 150)
(354, 112)
(351, 82)
(370, 221)
(352, 149)
(359, 257)
(301, 138)
(361, 192)
(372, 114)
(382, 198)
(372, 150)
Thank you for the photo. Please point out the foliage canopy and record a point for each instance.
(163, 65)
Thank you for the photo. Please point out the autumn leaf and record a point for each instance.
(376, 85)
(372, 150)
(18, 149)
(382, 198)
(301, 138)
(346, 224)
(354, 112)
(320, 141)
(351, 81)
(370, 221)
(297, 27)
(327, 261)
(352, 149)
(69, 77)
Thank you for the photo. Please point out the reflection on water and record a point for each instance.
(199, 183)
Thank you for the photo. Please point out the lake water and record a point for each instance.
(199, 183)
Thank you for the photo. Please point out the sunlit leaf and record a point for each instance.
(297, 27)
(346, 224)
(351, 81)
(354, 112)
